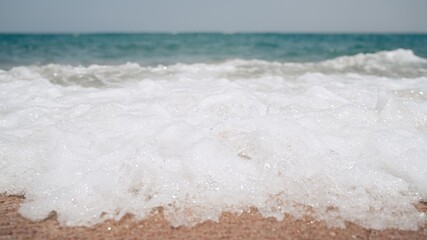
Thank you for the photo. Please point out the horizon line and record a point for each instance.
(214, 32)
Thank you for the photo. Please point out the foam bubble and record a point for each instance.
(201, 139)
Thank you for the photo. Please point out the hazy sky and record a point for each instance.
(213, 15)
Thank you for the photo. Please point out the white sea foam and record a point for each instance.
(345, 138)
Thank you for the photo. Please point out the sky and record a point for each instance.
(338, 16)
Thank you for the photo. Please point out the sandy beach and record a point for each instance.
(246, 226)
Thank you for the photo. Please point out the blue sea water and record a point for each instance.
(152, 49)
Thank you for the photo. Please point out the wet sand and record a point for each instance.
(246, 226)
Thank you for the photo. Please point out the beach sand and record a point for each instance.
(246, 226)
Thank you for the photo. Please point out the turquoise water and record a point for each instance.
(153, 49)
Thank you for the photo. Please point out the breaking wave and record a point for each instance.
(341, 140)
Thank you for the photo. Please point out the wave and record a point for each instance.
(94, 143)
(399, 63)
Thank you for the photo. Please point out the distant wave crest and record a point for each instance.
(400, 63)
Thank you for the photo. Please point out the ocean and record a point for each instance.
(95, 126)
(166, 49)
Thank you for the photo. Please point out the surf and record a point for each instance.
(341, 140)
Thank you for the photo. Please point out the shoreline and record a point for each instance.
(246, 226)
